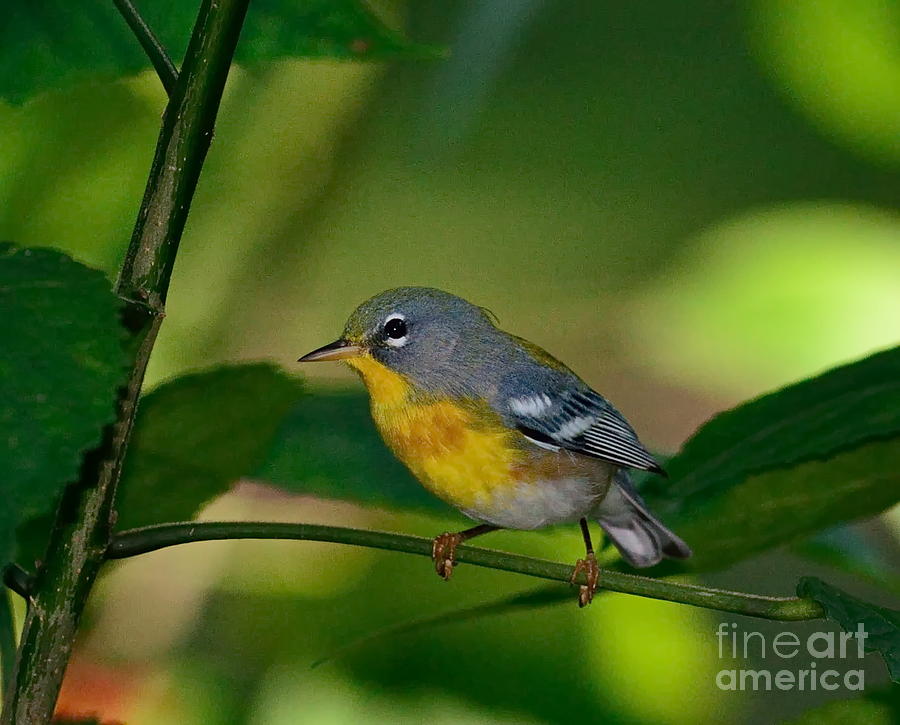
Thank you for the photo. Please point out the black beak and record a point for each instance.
(337, 350)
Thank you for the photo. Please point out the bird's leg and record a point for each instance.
(589, 566)
(443, 548)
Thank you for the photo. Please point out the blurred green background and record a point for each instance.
(689, 203)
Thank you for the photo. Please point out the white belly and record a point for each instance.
(542, 503)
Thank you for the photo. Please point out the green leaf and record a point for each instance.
(810, 420)
(53, 43)
(791, 463)
(329, 447)
(881, 625)
(197, 435)
(62, 364)
(784, 505)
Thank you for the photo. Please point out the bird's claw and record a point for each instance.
(443, 553)
(591, 568)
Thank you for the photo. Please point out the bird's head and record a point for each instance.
(419, 332)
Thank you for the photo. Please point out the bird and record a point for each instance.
(498, 428)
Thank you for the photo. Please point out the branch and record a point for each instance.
(81, 531)
(155, 50)
(184, 140)
(141, 541)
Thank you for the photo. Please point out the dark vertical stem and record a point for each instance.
(82, 529)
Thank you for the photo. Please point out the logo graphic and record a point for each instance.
(805, 660)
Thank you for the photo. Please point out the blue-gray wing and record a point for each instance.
(578, 420)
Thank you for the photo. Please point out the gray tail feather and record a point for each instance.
(640, 537)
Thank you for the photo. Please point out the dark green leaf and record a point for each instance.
(62, 364)
(786, 465)
(329, 447)
(881, 625)
(782, 506)
(53, 43)
(197, 435)
(810, 420)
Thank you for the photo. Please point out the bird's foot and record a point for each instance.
(443, 553)
(591, 568)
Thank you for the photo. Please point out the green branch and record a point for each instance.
(81, 531)
(140, 541)
(155, 50)
(187, 130)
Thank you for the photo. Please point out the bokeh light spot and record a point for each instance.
(839, 62)
(774, 296)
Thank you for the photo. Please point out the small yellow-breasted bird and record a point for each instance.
(498, 428)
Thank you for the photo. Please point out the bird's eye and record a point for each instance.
(395, 328)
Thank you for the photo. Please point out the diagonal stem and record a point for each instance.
(141, 541)
(154, 49)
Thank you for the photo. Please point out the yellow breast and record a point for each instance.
(458, 450)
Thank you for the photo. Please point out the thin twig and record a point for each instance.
(154, 49)
(141, 541)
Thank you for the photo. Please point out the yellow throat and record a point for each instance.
(458, 449)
